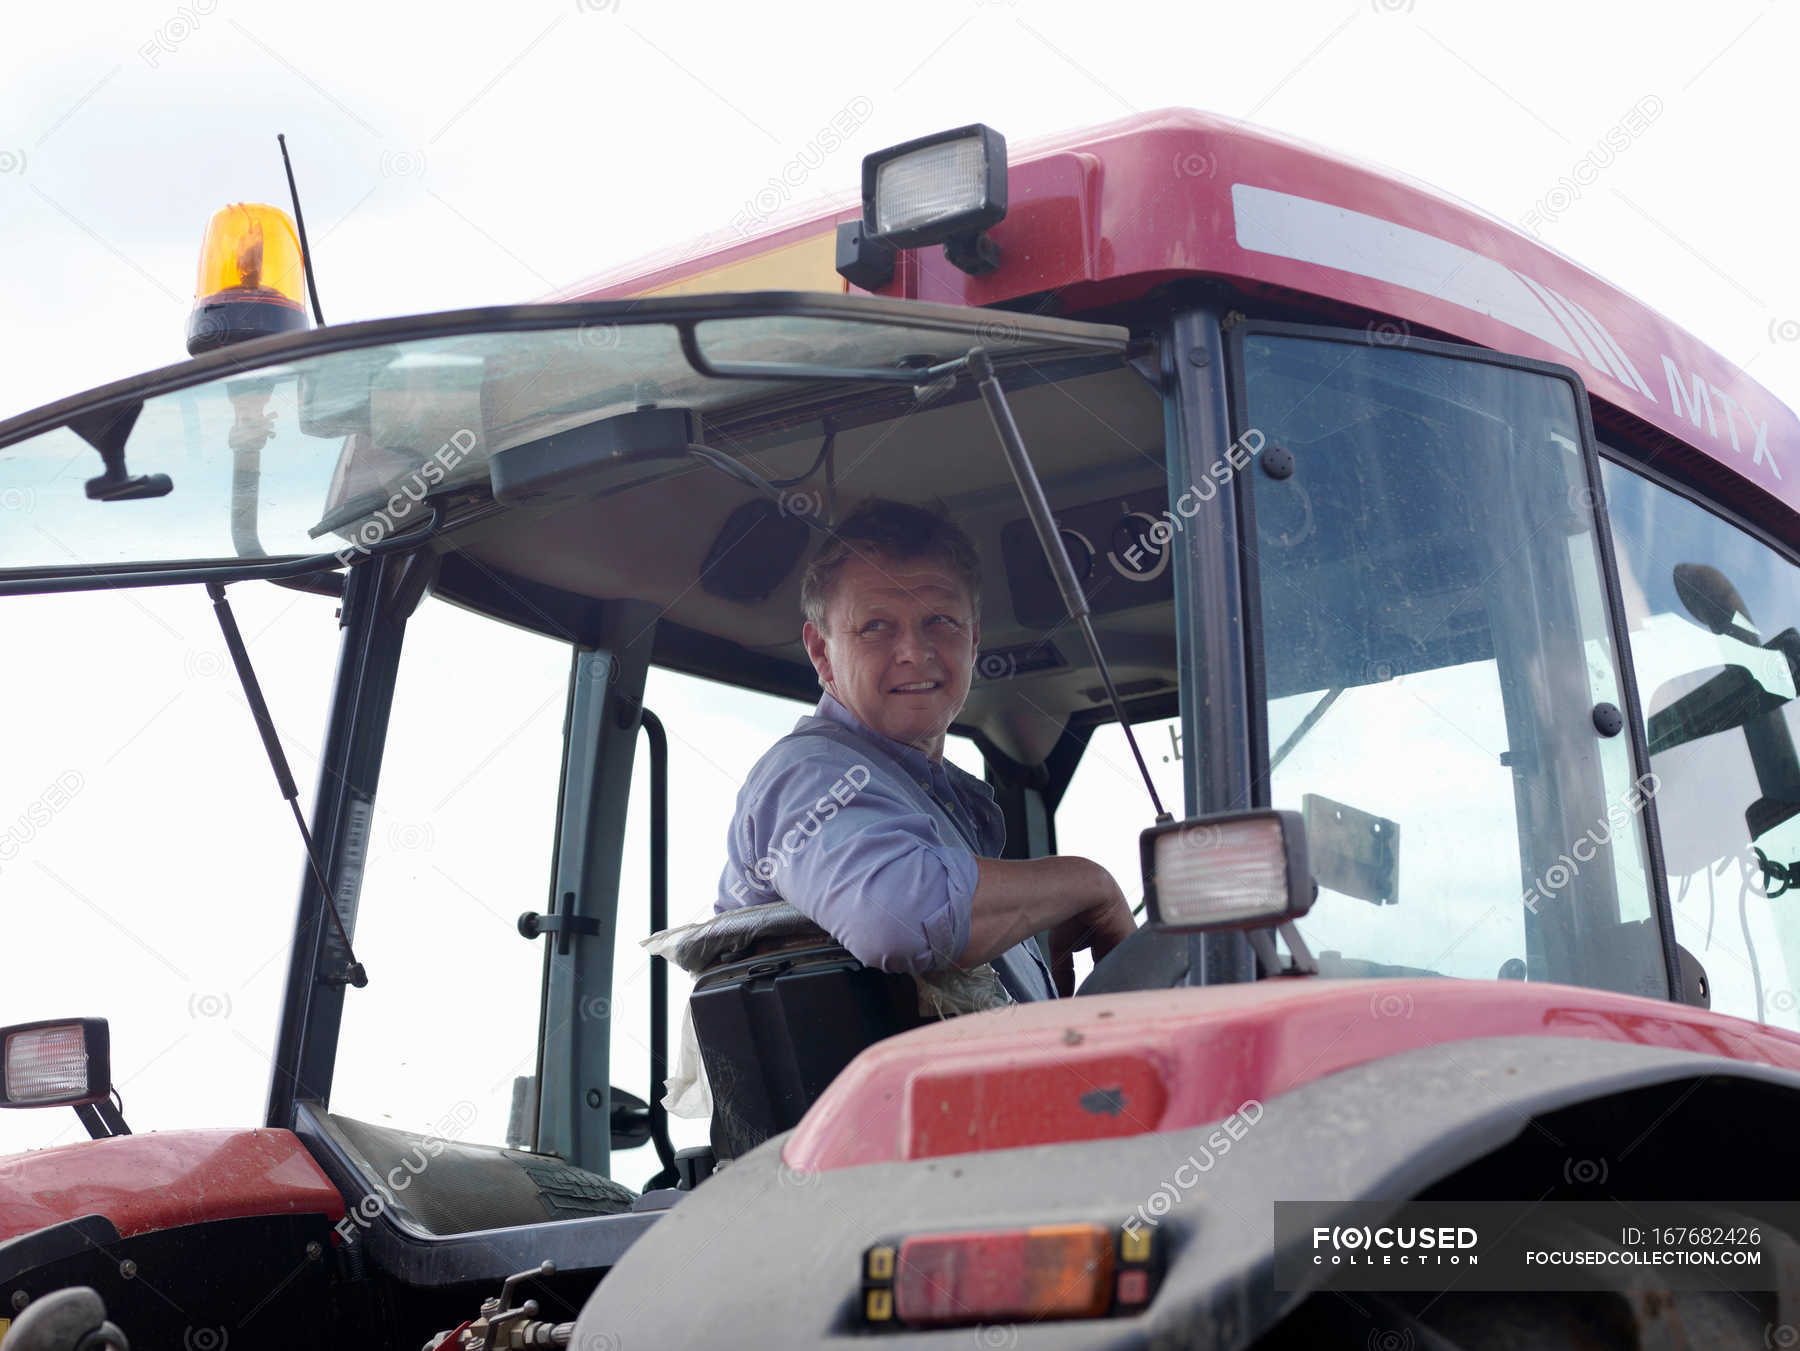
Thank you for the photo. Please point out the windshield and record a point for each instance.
(336, 438)
(1435, 654)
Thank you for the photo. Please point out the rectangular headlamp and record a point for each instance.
(1236, 870)
(62, 1063)
(949, 185)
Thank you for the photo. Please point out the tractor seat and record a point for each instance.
(779, 1007)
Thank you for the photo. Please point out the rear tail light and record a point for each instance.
(1007, 1275)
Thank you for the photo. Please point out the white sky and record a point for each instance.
(452, 157)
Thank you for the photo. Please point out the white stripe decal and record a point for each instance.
(1554, 303)
(1612, 345)
(1593, 332)
(1308, 231)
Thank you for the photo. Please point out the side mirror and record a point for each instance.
(65, 1062)
(1709, 596)
(630, 1120)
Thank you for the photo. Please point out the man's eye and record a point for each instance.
(873, 626)
(951, 620)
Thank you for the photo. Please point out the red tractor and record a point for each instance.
(1461, 587)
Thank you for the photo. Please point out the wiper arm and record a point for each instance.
(1310, 721)
(1037, 506)
(284, 778)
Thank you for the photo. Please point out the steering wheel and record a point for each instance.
(1148, 960)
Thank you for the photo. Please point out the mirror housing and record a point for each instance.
(60, 1062)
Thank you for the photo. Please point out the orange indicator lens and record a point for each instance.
(1047, 1271)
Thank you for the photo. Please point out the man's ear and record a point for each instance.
(814, 638)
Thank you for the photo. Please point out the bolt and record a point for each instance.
(128, 1268)
(1198, 356)
(20, 1299)
(313, 1250)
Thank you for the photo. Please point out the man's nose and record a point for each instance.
(914, 646)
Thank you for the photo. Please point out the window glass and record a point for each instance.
(1105, 807)
(459, 845)
(1714, 643)
(716, 734)
(147, 860)
(1435, 645)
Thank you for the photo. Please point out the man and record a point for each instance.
(856, 819)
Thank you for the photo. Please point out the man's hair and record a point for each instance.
(880, 528)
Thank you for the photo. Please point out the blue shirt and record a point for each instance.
(876, 842)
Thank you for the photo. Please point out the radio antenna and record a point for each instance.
(312, 286)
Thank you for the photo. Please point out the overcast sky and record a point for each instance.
(452, 157)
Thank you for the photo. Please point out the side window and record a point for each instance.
(1105, 808)
(716, 733)
(1713, 615)
(459, 844)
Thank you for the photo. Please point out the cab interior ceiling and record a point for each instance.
(1095, 436)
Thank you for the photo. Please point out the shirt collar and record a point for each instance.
(911, 758)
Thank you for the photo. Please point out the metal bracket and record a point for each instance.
(532, 924)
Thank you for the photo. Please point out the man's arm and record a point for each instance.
(1075, 897)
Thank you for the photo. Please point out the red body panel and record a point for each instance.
(1166, 1060)
(1105, 214)
(159, 1181)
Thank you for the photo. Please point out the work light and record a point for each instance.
(1238, 870)
(53, 1064)
(946, 188)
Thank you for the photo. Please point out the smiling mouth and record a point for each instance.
(917, 687)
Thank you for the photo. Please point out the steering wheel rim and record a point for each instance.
(1149, 960)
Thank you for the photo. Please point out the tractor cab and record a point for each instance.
(1356, 591)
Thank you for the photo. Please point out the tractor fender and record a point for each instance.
(764, 1254)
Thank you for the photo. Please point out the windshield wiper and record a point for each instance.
(980, 366)
(284, 778)
(1037, 506)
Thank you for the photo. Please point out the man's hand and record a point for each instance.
(1073, 897)
(1098, 929)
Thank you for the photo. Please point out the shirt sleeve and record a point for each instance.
(862, 862)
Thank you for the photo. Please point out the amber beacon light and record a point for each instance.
(251, 282)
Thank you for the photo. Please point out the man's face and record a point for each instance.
(899, 647)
